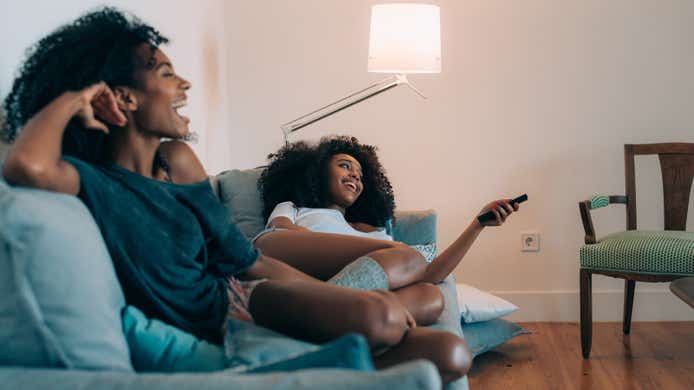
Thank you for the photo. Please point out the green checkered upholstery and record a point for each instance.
(649, 252)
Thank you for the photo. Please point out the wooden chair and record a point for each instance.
(640, 255)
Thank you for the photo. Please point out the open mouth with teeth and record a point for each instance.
(178, 106)
(351, 185)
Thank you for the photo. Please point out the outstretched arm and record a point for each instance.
(446, 262)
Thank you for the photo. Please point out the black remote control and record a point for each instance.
(489, 215)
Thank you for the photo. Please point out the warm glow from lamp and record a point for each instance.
(405, 38)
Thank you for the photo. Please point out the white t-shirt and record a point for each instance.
(322, 221)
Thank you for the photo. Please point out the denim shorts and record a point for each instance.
(266, 231)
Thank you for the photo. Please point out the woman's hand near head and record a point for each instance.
(35, 158)
(99, 102)
(501, 209)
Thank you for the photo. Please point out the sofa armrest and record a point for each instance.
(450, 317)
(415, 227)
(413, 375)
(450, 321)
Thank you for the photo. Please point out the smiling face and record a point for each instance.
(344, 180)
(159, 94)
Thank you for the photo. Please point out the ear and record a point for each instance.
(125, 98)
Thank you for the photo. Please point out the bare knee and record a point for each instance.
(402, 264)
(432, 303)
(453, 357)
(413, 256)
(384, 322)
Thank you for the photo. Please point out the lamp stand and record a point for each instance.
(349, 100)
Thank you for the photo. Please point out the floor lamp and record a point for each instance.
(404, 39)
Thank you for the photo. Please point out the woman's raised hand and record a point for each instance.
(98, 101)
(501, 209)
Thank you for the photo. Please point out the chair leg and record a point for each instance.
(629, 287)
(586, 312)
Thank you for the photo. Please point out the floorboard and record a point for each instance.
(656, 355)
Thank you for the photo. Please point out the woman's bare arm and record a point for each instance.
(286, 223)
(446, 262)
(34, 160)
(363, 227)
(184, 166)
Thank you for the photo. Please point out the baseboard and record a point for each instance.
(560, 306)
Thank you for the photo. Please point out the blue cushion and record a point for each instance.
(156, 346)
(238, 191)
(160, 347)
(415, 227)
(485, 335)
(60, 300)
(350, 351)
(248, 345)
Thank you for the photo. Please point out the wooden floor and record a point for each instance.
(656, 355)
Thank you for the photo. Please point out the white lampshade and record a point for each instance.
(405, 38)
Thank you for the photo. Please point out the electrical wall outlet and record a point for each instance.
(530, 241)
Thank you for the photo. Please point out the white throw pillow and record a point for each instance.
(477, 305)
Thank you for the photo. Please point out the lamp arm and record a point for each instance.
(349, 100)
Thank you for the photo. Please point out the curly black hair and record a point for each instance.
(298, 172)
(98, 46)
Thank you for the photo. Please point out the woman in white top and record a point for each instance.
(327, 205)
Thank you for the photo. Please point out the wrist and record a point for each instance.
(476, 226)
(72, 101)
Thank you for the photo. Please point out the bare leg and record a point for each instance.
(321, 312)
(447, 351)
(423, 300)
(322, 255)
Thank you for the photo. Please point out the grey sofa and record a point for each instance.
(46, 227)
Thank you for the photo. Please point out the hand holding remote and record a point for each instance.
(488, 218)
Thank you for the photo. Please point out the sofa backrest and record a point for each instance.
(238, 191)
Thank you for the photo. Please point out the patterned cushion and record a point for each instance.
(427, 250)
(651, 252)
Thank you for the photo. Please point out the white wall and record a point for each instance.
(537, 96)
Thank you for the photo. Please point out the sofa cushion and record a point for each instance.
(483, 336)
(60, 300)
(156, 346)
(248, 345)
(477, 305)
(349, 352)
(159, 347)
(415, 227)
(238, 191)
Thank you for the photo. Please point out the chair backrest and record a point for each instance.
(677, 167)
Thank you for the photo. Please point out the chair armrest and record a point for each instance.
(586, 206)
(450, 317)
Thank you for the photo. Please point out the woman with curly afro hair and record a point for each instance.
(327, 205)
(87, 115)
